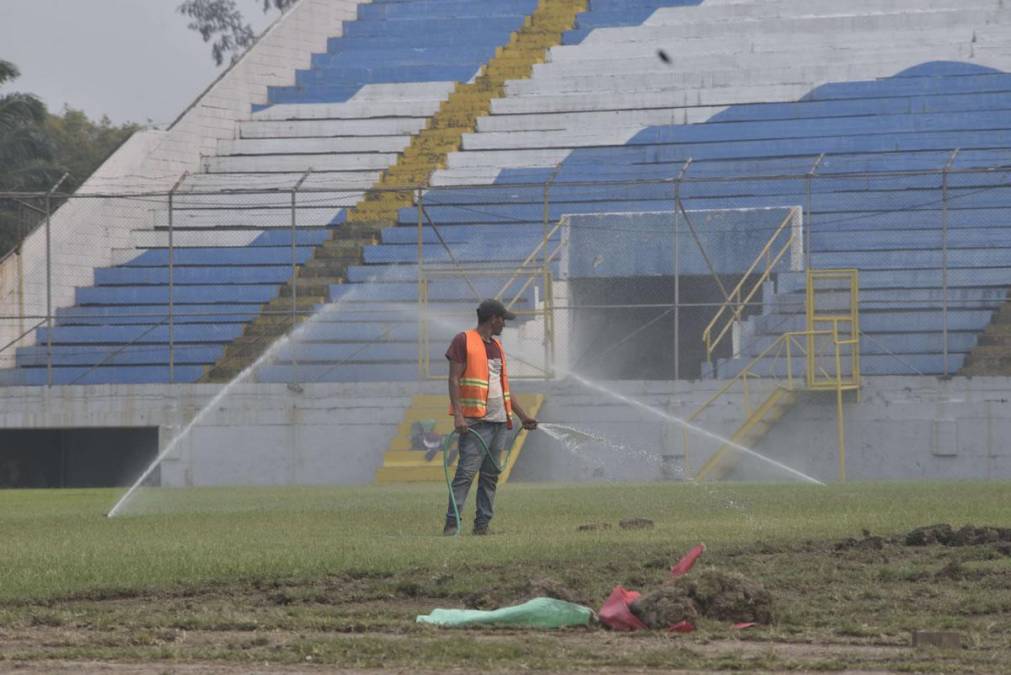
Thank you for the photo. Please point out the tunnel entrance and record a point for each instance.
(76, 458)
(615, 340)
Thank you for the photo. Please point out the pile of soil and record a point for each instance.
(666, 607)
(591, 527)
(550, 588)
(946, 535)
(724, 596)
(505, 595)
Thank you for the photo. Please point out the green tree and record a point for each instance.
(221, 23)
(80, 145)
(36, 148)
(24, 147)
(25, 154)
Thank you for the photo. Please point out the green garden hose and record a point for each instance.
(447, 443)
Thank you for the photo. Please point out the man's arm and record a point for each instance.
(455, 373)
(528, 421)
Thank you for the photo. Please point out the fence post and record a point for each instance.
(809, 220)
(49, 279)
(548, 302)
(171, 277)
(944, 255)
(294, 275)
(677, 268)
(422, 306)
(49, 295)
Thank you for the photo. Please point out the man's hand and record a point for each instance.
(460, 424)
(529, 423)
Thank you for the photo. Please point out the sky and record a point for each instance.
(133, 60)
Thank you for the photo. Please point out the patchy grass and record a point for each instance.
(337, 576)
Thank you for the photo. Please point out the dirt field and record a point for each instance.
(844, 605)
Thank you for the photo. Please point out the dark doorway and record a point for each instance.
(52, 458)
(638, 343)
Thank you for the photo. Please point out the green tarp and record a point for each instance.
(537, 613)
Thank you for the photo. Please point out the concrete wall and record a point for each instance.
(86, 232)
(259, 434)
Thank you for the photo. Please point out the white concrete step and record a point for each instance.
(534, 111)
(877, 66)
(255, 164)
(645, 44)
(306, 197)
(349, 110)
(824, 54)
(468, 176)
(575, 136)
(372, 100)
(143, 239)
(530, 158)
(216, 182)
(245, 218)
(701, 25)
(732, 9)
(287, 146)
(566, 122)
(380, 126)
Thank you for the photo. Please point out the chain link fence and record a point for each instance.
(205, 280)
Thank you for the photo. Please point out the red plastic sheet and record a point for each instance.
(615, 613)
(687, 560)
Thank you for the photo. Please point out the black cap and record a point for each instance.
(489, 308)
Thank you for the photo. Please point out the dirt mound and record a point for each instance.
(550, 588)
(666, 607)
(730, 596)
(591, 527)
(517, 593)
(946, 535)
(725, 596)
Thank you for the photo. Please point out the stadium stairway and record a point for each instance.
(404, 462)
(379, 109)
(741, 94)
(588, 116)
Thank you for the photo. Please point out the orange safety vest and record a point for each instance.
(473, 394)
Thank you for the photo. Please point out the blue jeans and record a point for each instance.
(472, 460)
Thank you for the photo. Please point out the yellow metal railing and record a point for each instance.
(831, 358)
(536, 266)
(784, 238)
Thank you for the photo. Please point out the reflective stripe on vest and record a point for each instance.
(473, 393)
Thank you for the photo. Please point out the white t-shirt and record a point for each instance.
(496, 401)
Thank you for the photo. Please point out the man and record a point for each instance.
(480, 403)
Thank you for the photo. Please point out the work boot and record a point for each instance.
(450, 530)
(480, 530)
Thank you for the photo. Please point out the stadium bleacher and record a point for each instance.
(753, 90)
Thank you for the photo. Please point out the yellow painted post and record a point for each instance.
(855, 326)
(422, 299)
(840, 428)
(809, 311)
(747, 393)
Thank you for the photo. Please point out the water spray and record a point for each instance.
(694, 428)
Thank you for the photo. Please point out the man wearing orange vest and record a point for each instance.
(480, 403)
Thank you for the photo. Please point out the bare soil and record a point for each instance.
(842, 606)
